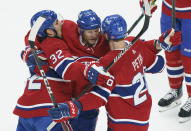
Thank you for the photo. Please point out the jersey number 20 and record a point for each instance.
(137, 98)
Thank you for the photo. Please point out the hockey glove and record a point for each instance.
(27, 52)
(170, 40)
(28, 57)
(96, 75)
(65, 111)
(152, 4)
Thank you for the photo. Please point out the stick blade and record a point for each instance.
(147, 8)
(35, 28)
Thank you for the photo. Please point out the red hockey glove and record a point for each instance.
(28, 51)
(152, 4)
(170, 40)
(29, 59)
(96, 75)
(65, 111)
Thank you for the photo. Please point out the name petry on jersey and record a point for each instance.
(129, 102)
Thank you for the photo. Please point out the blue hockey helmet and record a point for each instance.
(50, 16)
(115, 27)
(88, 20)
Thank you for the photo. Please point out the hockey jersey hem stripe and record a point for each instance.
(51, 78)
(34, 107)
(128, 121)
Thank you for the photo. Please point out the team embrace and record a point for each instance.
(77, 67)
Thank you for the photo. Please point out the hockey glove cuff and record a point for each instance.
(170, 40)
(65, 111)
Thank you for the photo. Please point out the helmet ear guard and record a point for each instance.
(50, 16)
(115, 27)
(88, 20)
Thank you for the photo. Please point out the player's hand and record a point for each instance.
(65, 111)
(152, 4)
(170, 40)
(28, 57)
(25, 54)
(96, 75)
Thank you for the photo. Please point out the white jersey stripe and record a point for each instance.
(34, 106)
(177, 9)
(51, 78)
(174, 68)
(128, 120)
(175, 76)
(99, 95)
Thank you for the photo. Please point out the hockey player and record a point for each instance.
(129, 103)
(178, 61)
(82, 39)
(32, 106)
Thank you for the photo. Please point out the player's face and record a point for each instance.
(58, 28)
(90, 37)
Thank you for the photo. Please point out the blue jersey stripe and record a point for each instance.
(63, 66)
(101, 92)
(158, 66)
(175, 72)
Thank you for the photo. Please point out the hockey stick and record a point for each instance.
(137, 21)
(32, 37)
(144, 28)
(135, 24)
(173, 14)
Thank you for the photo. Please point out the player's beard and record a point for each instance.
(90, 42)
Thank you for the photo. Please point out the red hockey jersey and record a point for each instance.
(183, 8)
(61, 55)
(35, 100)
(60, 58)
(72, 38)
(130, 101)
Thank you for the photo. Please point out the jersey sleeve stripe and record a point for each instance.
(157, 66)
(98, 95)
(103, 93)
(63, 65)
(64, 61)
